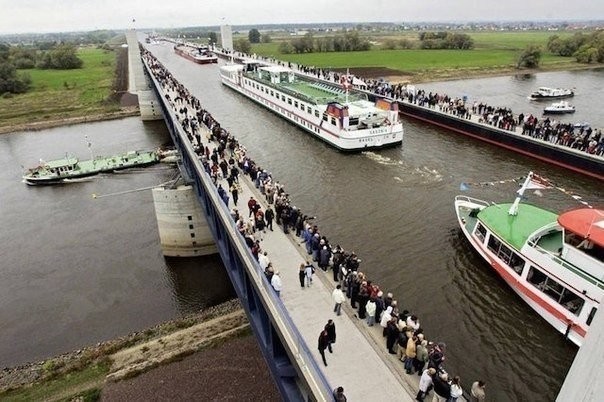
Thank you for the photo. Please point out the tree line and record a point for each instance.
(348, 42)
(585, 48)
(432, 40)
(61, 56)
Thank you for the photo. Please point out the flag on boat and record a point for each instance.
(538, 183)
(463, 187)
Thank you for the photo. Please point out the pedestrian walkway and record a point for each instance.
(365, 374)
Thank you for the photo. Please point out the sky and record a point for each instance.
(20, 16)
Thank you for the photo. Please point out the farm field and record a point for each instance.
(494, 53)
(59, 94)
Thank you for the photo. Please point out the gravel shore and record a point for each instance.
(232, 371)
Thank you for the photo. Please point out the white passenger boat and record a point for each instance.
(545, 93)
(555, 263)
(561, 107)
(339, 115)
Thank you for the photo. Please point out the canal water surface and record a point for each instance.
(78, 270)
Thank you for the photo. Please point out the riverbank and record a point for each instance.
(42, 125)
(90, 371)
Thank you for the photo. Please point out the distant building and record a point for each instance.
(226, 37)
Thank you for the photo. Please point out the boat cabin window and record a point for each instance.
(316, 113)
(566, 298)
(272, 93)
(295, 104)
(283, 98)
(501, 250)
(480, 232)
(591, 315)
(289, 101)
(516, 263)
(324, 117)
(333, 121)
(308, 110)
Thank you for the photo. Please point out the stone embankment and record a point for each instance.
(139, 351)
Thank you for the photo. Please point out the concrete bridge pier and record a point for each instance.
(139, 82)
(183, 229)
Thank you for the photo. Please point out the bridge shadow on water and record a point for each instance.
(198, 282)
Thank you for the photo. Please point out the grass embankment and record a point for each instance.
(64, 94)
(84, 373)
(494, 53)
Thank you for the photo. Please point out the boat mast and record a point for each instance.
(89, 147)
(519, 194)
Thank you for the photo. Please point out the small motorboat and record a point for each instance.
(545, 93)
(561, 107)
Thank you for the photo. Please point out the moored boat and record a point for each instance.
(545, 93)
(60, 170)
(561, 107)
(555, 263)
(197, 54)
(337, 114)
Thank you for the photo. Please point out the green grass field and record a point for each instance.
(494, 52)
(57, 94)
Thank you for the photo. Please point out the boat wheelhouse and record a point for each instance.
(544, 93)
(555, 263)
(337, 114)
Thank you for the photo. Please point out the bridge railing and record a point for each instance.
(237, 257)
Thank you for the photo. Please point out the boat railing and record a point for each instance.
(472, 200)
(288, 91)
(572, 268)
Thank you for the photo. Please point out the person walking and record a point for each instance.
(338, 298)
(302, 274)
(276, 283)
(338, 395)
(235, 192)
(309, 270)
(330, 327)
(269, 215)
(323, 344)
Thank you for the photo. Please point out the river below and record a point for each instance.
(77, 270)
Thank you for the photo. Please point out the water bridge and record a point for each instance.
(286, 328)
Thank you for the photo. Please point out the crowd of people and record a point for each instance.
(225, 159)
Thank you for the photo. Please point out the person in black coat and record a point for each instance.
(392, 335)
(441, 385)
(323, 344)
(330, 327)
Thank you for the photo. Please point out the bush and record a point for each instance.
(530, 57)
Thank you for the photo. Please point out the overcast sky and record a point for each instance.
(20, 16)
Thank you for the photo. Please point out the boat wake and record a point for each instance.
(425, 174)
(382, 160)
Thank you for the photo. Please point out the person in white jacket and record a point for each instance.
(370, 309)
(424, 383)
(276, 283)
(338, 298)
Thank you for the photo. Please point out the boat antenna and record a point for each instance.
(346, 84)
(89, 147)
(519, 194)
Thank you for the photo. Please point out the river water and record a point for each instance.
(394, 208)
(78, 270)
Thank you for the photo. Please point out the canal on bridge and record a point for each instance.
(394, 209)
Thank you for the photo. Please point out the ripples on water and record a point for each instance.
(78, 270)
(394, 208)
